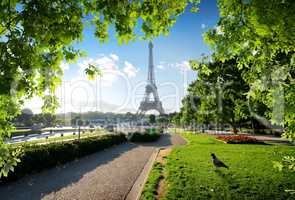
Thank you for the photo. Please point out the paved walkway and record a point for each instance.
(106, 175)
(272, 139)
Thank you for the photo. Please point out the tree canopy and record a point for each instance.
(218, 95)
(261, 35)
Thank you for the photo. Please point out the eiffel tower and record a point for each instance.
(147, 103)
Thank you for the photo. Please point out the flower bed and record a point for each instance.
(238, 139)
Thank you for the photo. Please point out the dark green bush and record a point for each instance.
(38, 157)
(154, 130)
(150, 135)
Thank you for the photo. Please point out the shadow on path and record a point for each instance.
(36, 186)
(112, 170)
(166, 140)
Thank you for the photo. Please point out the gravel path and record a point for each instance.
(106, 175)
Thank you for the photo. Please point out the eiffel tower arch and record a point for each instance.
(149, 103)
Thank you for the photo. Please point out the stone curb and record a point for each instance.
(136, 190)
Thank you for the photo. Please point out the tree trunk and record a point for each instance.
(235, 129)
(252, 125)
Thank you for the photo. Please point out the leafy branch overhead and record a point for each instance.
(260, 34)
(250, 76)
(92, 72)
(36, 36)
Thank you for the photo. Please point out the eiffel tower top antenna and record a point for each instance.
(151, 75)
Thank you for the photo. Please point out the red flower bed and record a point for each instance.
(239, 139)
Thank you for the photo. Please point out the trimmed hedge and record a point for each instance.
(150, 135)
(154, 130)
(144, 137)
(25, 132)
(38, 157)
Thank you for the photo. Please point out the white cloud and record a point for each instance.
(114, 57)
(203, 26)
(84, 64)
(34, 104)
(160, 66)
(106, 63)
(130, 69)
(184, 65)
(103, 62)
(109, 65)
(64, 66)
(219, 30)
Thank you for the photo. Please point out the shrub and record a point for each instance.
(150, 135)
(239, 139)
(38, 157)
(154, 130)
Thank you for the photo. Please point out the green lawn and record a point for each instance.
(152, 182)
(189, 172)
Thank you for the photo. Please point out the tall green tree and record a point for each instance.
(221, 93)
(25, 118)
(152, 119)
(35, 36)
(261, 35)
(189, 110)
(176, 119)
(163, 120)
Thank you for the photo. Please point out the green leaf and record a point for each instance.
(92, 72)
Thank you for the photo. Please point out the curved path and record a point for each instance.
(106, 175)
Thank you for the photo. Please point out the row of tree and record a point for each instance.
(250, 75)
(219, 97)
(28, 119)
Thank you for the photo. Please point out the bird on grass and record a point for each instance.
(217, 163)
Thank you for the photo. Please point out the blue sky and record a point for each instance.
(121, 87)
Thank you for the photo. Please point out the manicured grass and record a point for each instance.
(150, 187)
(190, 174)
